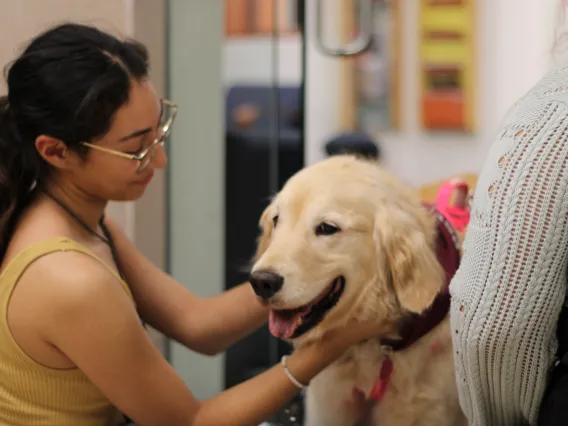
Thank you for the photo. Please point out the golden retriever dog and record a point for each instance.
(346, 241)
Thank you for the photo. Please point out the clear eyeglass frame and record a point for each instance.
(145, 157)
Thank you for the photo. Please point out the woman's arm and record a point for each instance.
(88, 316)
(507, 294)
(257, 399)
(206, 325)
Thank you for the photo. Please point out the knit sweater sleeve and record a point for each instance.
(509, 289)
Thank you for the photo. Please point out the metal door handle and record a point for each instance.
(356, 46)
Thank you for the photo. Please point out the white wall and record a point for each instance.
(249, 60)
(514, 48)
(24, 19)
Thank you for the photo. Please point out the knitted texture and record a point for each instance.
(510, 287)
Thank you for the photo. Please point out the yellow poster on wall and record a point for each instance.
(447, 64)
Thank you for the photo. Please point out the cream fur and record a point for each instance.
(385, 252)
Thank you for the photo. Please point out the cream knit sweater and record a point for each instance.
(508, 292)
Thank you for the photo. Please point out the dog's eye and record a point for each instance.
(326, 229)
(275, 220)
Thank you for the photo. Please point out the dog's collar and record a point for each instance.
(447, 251)
(414, 326)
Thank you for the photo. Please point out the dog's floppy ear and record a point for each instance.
(406, 243)
(266, 227)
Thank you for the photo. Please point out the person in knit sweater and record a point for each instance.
(509, 290)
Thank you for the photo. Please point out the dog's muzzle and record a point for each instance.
(265, 283)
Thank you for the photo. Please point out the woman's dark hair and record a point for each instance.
(68, 84)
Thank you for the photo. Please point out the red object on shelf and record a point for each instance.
(443, 111)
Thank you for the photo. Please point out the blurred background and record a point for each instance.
(265, 87)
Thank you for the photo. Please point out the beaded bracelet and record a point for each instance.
(290, 375)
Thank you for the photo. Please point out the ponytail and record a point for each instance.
(17, 175)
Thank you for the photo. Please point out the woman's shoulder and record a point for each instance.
(554, 81)
(45, 248)
(60, 266)
(44, 257)
(550, 91)
(47, 265)
(64, 286)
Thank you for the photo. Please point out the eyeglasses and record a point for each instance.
(144, 158)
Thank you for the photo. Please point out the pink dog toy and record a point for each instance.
(458, 213)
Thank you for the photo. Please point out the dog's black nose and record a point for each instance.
(266, 284)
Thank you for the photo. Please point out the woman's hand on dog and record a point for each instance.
(357, 332)
(307, 361)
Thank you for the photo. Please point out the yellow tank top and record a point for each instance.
(32, 394)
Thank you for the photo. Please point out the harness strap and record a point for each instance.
(382, 382)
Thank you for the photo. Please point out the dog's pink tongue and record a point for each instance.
(282, 326)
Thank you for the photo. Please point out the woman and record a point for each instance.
(508, 293)
(82, 125)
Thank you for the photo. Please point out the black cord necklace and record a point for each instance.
(80, 221)
(106, 238)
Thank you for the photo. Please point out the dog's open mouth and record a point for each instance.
(292, 323)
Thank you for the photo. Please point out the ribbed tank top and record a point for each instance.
(35, 395)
